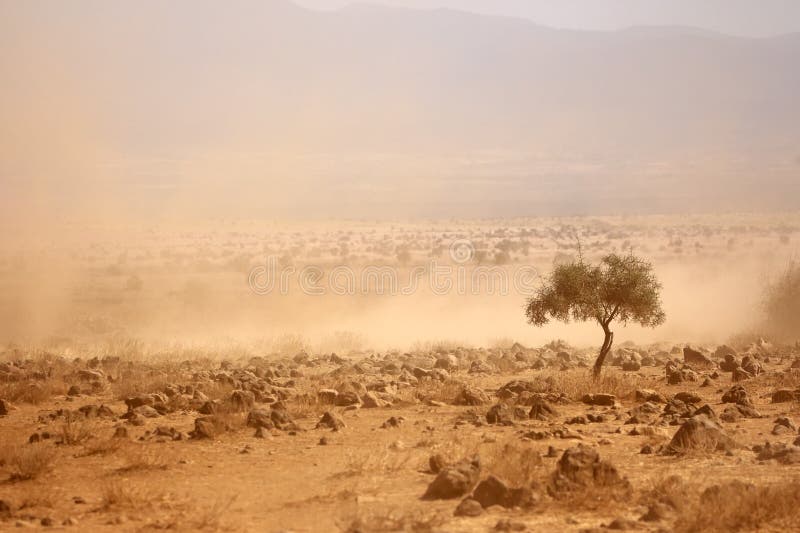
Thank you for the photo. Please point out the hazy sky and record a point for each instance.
(753, 18)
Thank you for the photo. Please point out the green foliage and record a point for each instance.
(621, 288)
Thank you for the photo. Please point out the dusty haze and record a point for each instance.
(165, 141)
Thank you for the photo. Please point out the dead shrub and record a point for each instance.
(24, 462)
(515, 462)
(140, 457)
(73, 432)
(740, 506)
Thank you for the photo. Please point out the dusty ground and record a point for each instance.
(366, 477)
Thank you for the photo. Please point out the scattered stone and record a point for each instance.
(454, 480)
(581, 467)
(542, 410)
(327, 396)
(393, 422)
(622, 524)
(204, 428)
(787, 454)
(494, 491)
(437, 462)
(347, 398)
(688, 397)
(371, 401)
(500, 413)
(699, 433)
(648, 395)
(738, 395)
(695, 358)
(331, 421)
(506, 524)
(785, 395)
(469, 508)
(260, 418)
(601, 399)
(471, 396)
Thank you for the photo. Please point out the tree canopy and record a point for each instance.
(620, 288)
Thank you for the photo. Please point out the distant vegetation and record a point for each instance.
(782, 304)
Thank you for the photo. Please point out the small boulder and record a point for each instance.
(468, 508)
(581, 467)
(699, 433)
(331, 421)
(696, 358)
(454, 480)
(601, 399)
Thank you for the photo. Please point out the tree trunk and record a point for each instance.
(609, 340)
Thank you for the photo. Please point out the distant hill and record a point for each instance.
(248, 106)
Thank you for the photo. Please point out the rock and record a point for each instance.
(454, 480)
(121, 432)
(787, 454)
(657, 512)
(5, 509)
(331, 421)
(631, 366)
(699, 433)
(74, 390)
(447, 362)
(5, 407)
(785, 395)
(327, 396)
(494, 491)
(695, 358)
(648, 395)
(622, 524)
(599, 399)
(581, 467)
(371, 401)
(204, 428)
(260, 418)
(751, 366)
(738, 395)
(138, 401)
(480, 367)
(688, 397)
(740, 374)
(437, 462)
(471, 396)
(724, 351)
(729, 364)
(784, 422)
(735, 412)
(393, 422)
(542, 410)
(506, 524)
(347, 398)
(242, 400)
(500, 414)
(469, 508)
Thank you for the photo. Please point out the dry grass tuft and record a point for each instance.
(29, 461)
(740, 506)
(73, 432)
(139, 457)
(515, 462)
(396, 520)
(33, 393)
(577, 383)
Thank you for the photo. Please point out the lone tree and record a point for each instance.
(621, 288)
